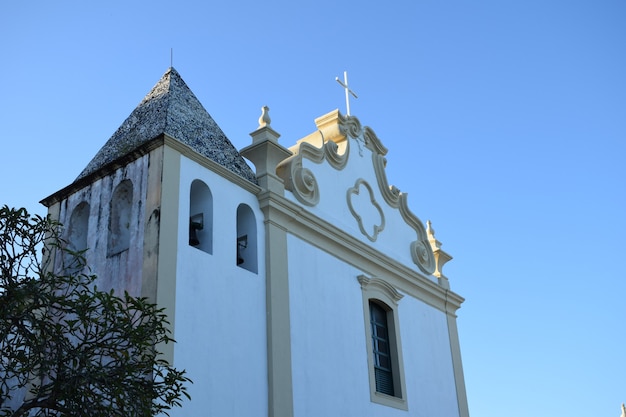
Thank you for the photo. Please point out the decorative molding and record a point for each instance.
(300, 181)
(441, 257)
(264, 120)
(350, 126)
(377, 228)
(372, 142)
(422, 256)
(144, 149)
(352, 250)
(391, 194)
(334, 158)
(167, 175)
(382, 285)
(334, 129)
(421, 251)
(189, 153)
(279, 364)
(457, 366)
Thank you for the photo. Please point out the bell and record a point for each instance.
(242, 243)
(196, 223)
(193, 236)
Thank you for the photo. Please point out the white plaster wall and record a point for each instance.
(329, 346)
(329, 360)
(220, 308)
(428, 369)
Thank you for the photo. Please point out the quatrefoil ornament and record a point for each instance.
(365, 209)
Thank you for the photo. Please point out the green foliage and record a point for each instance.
(67, 348)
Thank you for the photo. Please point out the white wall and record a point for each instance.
(220, 308)
(329, 347)
(427, 360)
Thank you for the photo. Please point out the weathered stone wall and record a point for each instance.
(118, 267)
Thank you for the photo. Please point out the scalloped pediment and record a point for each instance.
(338, 172)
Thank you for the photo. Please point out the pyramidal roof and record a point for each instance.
(171, 108)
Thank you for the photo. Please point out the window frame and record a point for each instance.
(386, 296)
(246, 239)
(381, 347)
(201, 203)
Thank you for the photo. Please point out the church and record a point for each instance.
(303, 287)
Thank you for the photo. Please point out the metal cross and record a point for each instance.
(344, 84)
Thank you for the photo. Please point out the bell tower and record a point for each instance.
(124, 206)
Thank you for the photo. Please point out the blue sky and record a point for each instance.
(505, 123)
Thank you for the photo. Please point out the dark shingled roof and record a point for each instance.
(172, 109)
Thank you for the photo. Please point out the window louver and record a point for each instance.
(380, 344)
(384, 381)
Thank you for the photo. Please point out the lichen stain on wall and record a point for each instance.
(119, 266)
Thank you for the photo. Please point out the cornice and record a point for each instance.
(301, 223)
(144, 149)
(367, 282)
(211, 165)
(108, 169)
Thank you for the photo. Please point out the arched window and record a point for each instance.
(201, 217)
(246, 239)
(77, 229)
(119, 219)
(76, 239)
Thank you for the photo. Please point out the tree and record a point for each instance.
(67, 348)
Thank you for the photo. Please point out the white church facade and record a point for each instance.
(304, 288)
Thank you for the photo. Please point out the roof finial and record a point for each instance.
(430, 230)
(344, 84)
(441, 257)
(265, 120)
(171, 57)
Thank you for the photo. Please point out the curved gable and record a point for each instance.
(339, 172)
